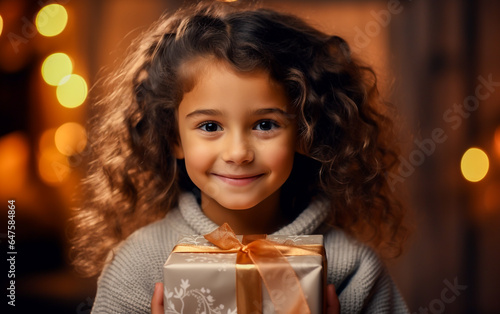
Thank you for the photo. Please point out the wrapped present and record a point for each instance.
(221, 273)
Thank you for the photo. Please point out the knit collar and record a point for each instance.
(306, 223)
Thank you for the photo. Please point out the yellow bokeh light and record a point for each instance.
(53, 167)
(51, 20)
(72, 91)
(70, 138)
(1, 25)
(56, 67)
(474, 164)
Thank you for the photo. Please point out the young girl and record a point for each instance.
(246, 116)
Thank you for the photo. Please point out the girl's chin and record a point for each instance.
(234, 204)
(237, 206)
(240, 201)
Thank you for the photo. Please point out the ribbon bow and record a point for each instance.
(280, 280)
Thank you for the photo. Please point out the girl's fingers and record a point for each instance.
(157, 300)
(332, 301)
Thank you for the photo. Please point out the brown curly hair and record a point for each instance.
(343, 135)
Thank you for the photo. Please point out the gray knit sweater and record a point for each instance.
(127, 282)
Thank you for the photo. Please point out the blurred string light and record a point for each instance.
(496, 143)
(491, 198)
(53, 167)
(57, 144)
(474, 164)
(70, 138)
(72, 91)
(51, 20)
(56, 67)
(14, 160)
(47, 139)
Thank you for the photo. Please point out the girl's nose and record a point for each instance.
(238, 150)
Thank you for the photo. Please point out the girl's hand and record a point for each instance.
(157, 300)
(332, 301)
(333, 305)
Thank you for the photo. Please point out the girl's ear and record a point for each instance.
(178, 151)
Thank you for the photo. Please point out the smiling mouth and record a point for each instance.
(237, 180)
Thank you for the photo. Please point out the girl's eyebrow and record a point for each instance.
(204, 112)
(278, 111)
(258, 112)
(269, 110)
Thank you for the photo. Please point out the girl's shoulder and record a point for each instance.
(348, 256)
(335, 236)
(132, 269)
(359, 274)
(145, 249)
(161, 235)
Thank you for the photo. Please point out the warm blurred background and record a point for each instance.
(438, 61)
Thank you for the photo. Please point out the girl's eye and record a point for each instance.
(266, 125)
(210, 127)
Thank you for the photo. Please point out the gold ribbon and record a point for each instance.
(258, 258)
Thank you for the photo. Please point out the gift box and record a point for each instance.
(222, 273)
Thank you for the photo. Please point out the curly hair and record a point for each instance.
(344, 136)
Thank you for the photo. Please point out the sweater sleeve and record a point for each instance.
(362, 283)
(126, 284)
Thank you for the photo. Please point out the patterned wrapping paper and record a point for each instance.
(196, 282)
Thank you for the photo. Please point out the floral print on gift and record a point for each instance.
(176, 302)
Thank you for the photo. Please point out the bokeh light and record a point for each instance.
(56, 67)
(70, 138)
(496, 141)
(53, 167)
(47, 140)
(1, 25)
(14, 157)
(72, 91)
(491, 199)
(474, 164)
(51, 20)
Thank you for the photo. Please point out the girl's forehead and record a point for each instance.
(216, 84)
(192, 71)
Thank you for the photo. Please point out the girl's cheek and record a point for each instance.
(199, 154)
(202, 147)
(280, 157)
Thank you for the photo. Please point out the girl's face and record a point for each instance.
(236, 136)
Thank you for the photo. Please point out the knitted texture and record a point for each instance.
(127, 282)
